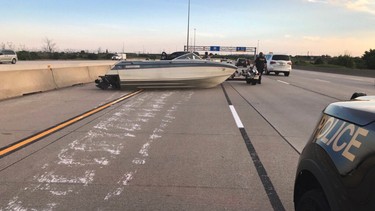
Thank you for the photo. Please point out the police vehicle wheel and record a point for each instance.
(14, 61)
(313, 200)
(286, 73)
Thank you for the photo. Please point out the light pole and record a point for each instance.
(187, 45)
(195, 30)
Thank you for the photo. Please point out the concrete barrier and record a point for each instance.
(69, 76)
(96, 71)
(21, 82)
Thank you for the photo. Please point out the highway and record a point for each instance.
(232, 147)
(27, 65)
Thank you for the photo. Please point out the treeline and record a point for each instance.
(367, 61)
(82, 55)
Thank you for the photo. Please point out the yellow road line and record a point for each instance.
(60, 126)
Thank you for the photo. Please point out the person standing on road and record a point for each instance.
(260, 64)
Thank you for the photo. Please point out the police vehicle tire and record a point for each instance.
(313, 200)
(14, 61)
(286, 73)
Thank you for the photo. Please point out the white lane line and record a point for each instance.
(235, 116)
(283, 82)
(323, 80)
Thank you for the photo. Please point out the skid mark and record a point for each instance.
(77, 164)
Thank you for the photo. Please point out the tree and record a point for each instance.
(369, 58)
(9, 44)
(343, 60)
(49, 46)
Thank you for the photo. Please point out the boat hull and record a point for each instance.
(183, 76)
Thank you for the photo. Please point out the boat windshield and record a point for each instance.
(180, 55)
(189, 55)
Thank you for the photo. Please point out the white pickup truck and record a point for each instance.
(119, 56)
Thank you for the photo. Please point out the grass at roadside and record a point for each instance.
(336, 69)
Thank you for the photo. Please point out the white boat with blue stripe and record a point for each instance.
(177, 70)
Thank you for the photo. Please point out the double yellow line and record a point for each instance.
(31, 139)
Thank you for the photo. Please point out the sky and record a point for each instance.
(294, 27)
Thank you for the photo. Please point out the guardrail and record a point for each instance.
(22, 82)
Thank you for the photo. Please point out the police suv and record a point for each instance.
(336, 169)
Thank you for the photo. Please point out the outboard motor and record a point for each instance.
(108, 80)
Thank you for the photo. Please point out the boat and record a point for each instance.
(177, 70)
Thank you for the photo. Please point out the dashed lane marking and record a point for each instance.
(283, 82)
(262, 173)
(325, 81)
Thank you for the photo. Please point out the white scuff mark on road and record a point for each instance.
(147, 115)
(51, 177)
(60, 193)
(150, 110)
(51, 206)
(156, 134)
(143, 120)
(124, 180)
(104, 125)
(79, 159)
(15, 204)
(84, 149)
(163, 125)
(102, 161)
(128, 126)
(139, 161)
(98, 149)
(129, 135)
(144, 150)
